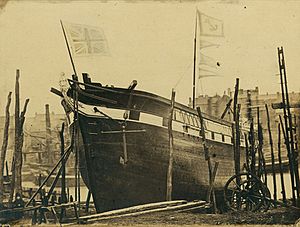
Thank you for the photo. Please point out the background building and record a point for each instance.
(252, 104)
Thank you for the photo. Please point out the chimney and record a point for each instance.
(209, 106)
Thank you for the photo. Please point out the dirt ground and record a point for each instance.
(279, 216)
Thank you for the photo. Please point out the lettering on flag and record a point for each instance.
(205, 60)
(86, 40)
(210, 26)
(205, 43)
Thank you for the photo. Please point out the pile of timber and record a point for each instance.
(178, 205)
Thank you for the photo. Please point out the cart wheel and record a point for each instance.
(246, 191)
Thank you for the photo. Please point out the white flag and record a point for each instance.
(205, 60)
(86, 40)
(206, 73)
(210, 26)
(205, 43)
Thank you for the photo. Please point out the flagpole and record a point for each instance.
(68, 47)
(194, 73)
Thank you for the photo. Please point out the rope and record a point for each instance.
(183, 74)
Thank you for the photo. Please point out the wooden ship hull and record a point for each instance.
(124, 146)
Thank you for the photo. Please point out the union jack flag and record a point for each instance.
(86, 40)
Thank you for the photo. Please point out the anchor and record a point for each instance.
(124, 159)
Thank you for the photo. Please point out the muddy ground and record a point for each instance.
(281, 216)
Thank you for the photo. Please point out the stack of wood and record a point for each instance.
(177, 205)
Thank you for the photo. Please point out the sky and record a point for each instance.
(149, 41)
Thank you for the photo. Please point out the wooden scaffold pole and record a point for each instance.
(280, 166)
(236, 130)
(4, 148)
(272, 155)
(48, 135)
(171, 150)
(17, 112)
(286, 133)
(211, 171)
(16, 180)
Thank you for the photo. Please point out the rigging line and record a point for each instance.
(183, 74)
(36, 138)
(40, 137)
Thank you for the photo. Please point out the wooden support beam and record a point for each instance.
(63, 165)
(142, 209)
(207, 158)
(48, 151)
(226, 109)
(20, 148)
(171, 150)
(237, 154)
(291, 166)
(66, 154)
(252, 149)
(16, 180)
(236, 130)
(87, 203)
(211, 185)
(15, 155)
(280, 166)
(279, 105)
(287, 121)
(247, 151)
(272, 155)
(4, 147)
(63, 172)
(54, 182)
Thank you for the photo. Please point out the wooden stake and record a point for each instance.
(280, 166)
(262, 156)
(236, 133)
(48, 135)
(252, 149)
(207, 158)
(211, 185)
(261, 162)
(227, 108)
(237, 154)
(87, 203)
(4, 147)
(290, 126)
(6, 168)
(272, 155)
(170, 167)
(63, 172)
(66, 154)
(285, 135)
(285, 102)
(63, 164)
(19, 161)
(15, 155)
(247, 153)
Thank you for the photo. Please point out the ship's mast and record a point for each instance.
(194, 72)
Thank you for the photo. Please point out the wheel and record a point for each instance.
(246, 191)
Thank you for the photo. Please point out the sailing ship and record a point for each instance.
(123, 141)
(123, 145)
